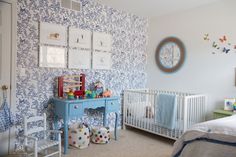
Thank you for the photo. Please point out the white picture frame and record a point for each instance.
(102, 42)
(102, 60)
(73, 5)
(79, 38)
(52, 57)
(53, 34)
(229, 103)
(79, 59)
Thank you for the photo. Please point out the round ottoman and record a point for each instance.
(100, 135)
(79, 136)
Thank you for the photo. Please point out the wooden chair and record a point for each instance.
(38, 145)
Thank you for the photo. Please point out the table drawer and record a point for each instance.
(94, 104)
(112, 105)
(76, 109)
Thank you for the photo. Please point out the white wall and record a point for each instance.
(202, 71)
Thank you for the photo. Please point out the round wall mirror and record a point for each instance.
(170, 54)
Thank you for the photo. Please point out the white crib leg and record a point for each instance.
(124, 127)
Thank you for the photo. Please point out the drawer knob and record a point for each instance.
(76, 107)
(111, 103)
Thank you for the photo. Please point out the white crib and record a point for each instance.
(140, 105)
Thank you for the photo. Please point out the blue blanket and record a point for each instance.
(166, 110)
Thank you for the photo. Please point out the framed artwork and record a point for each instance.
(79, 38)
(102, 41)
(53, 34)
(101, 60)
(79, 59)
(50, 56)
(74, 5)
(229, 103)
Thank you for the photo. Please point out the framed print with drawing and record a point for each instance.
(50, 56)
(79, 38)
(101, 60)
(102, 41)
(53, 34)
(79, 59)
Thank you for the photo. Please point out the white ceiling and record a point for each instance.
(152, 8)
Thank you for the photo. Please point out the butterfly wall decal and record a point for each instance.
(206, 37)
(215, 45)
(223, 39)
(226, 50)
(223, 45)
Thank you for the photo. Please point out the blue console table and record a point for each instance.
(67, 109)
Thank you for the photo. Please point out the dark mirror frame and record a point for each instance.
(180, 44)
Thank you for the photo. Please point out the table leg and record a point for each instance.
(116, 124)
(65, 135)
(105, 119)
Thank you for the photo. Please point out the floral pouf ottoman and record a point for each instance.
(100, 135)
(79, 136)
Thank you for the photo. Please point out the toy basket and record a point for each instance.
(100, 135)
(79, 136)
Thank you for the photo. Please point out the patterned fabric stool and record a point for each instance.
(79, 136)
(100, 135)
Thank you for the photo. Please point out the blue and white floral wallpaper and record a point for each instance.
(35, 85)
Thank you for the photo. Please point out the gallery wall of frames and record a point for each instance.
(84, 49)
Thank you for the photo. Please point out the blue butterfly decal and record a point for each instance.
(226, 50)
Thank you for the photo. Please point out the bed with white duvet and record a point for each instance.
(215, 138)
